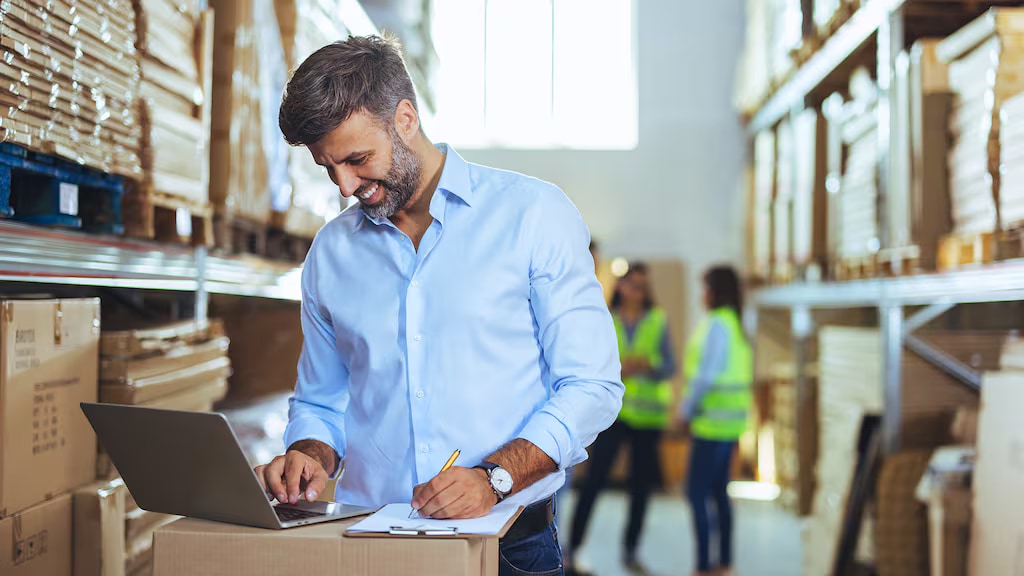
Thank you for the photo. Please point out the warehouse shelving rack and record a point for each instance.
(30, 254)
(881, 25)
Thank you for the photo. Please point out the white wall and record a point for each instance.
(676, 195)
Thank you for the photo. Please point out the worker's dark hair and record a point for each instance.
(723, 285)
(637, 267)
(361, 73)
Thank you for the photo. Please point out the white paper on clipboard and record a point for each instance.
(397, 515)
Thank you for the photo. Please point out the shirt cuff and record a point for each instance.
(548, 433)
(313, 428)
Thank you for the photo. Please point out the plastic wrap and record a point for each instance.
(175, 134)
(71, 79)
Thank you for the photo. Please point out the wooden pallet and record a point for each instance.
(857, 268)
(959, 250)
(155, 215)
(900, 261)
(43, 189)
(1011, 244)
(783, 273)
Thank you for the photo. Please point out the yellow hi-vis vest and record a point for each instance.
(645, 403)
(723, 411)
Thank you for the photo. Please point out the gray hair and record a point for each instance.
(361, 73)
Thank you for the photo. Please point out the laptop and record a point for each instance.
(190, 464)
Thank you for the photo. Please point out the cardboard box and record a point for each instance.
(99, 513)
(38, 541)
(997, 529)
(118, 369)
(191, 547)
(49, 354)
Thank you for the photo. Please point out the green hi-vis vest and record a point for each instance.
(646, 402)
(725, 407)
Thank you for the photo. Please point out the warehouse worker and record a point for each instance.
(645, 351)
(455, 308)
(719, 372)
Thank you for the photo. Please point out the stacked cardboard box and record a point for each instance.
(174, 41)
(996, 529)
(306, 26)
(985, 61)
(795, 441)
(1011, 163)
(857, 214)
(753, 72)
(248, 160)
(49, 353)
(761, 210)
(71, 81)
(182, 366)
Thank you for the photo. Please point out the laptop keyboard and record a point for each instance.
(290, 514)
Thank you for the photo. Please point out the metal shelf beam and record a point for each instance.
(837, 49)
(49, 256)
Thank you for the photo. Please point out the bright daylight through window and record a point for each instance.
(536, 74)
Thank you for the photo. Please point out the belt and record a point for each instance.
(535, 518)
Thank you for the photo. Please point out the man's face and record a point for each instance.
(367, 162)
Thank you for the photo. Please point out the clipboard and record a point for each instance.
(451, 533)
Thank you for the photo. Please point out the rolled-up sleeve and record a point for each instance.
(317, 409)
(576, 335)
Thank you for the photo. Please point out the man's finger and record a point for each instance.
(449, 510)
(295, 462)
(424, 493)
(317, 482)
(272, 474)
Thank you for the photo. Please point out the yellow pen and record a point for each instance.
(447, 465)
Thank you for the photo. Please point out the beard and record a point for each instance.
(400, 183)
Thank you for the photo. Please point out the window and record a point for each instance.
(535, 73)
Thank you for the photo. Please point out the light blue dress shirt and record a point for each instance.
(495, 329)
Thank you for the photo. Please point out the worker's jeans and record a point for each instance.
(708, 479)
(533, 555)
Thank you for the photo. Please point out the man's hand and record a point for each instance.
(456, 493)
(300, 470)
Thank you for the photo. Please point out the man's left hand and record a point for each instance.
(456, 493)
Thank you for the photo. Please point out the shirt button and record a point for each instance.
(415, 283)
(420, 394)
(417, 337)
(424, 448)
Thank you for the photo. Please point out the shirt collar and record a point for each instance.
(454, 180)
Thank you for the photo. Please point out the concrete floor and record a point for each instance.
(767, 540)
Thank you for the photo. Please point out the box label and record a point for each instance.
(69, 199)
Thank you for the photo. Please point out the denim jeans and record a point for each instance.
(709, 477)
(531, 556)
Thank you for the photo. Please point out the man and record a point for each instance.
(457, 308)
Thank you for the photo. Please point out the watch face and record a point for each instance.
(501, 480)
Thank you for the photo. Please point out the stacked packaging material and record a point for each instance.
(851, 372)
(306, 26)
(857, 214)
(764, 194)
(824, 14)
(1011, 163)
(985, 61)
(786, 37)
(175, 54)
(782, 206)
(181, 366)
(248, 160)
(795, 440)
(753, 79)
(810, 198)
(71, 79)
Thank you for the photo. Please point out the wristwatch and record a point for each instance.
(500, 479)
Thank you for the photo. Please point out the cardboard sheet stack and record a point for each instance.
(985, 62)
(764, 196)
(1011, 163)
(181, 366)
(174, 40)
(794, 437)
(857, 225)
(810, 197)
(248, 161)
(47, 448)
(849, 388)
(306, 26)
(71, 80)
